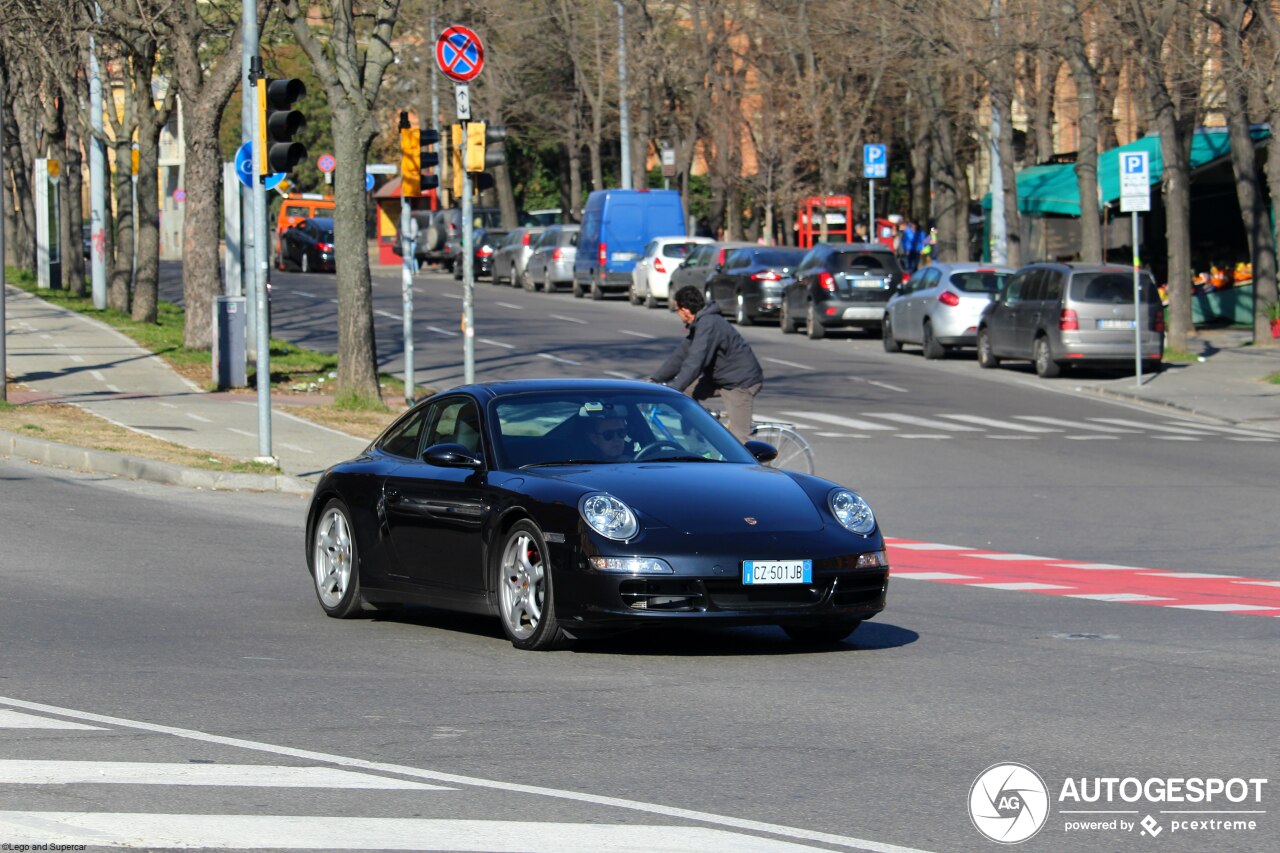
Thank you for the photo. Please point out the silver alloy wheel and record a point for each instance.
(332, 559)
(522, 585)
(306, 265)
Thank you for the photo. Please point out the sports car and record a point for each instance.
(576, 508)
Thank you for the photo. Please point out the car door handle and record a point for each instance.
(393, 496)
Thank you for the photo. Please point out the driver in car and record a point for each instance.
(608, 437)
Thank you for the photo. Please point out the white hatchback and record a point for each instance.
(939, 306)
(651, 278)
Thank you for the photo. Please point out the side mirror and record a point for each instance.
(763, 451)
(450, 456)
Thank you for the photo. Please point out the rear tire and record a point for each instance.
(596, 293)
(785, 322)
(742, 317)
(304, 265)
(631, 296)
(577, 289)
(813, 328)
(335, 562)
(932, 349)
(986, 358)
(890, 342)
(826, 634)
(649, 301)
(1046, 367)
(526, 281)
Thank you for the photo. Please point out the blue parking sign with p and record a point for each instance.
(875, 161)
(1134, 164)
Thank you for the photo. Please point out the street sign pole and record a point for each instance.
(468, 272)
(260, 260)
(875, 164)
(1135, 197)
(97, 180)
(871, 226)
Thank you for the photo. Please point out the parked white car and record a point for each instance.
(939, 306)
(651, 278)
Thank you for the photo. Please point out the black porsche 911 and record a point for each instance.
(575, 508)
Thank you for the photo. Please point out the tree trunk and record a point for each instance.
(1008, 175)
(120, 286)
(1085, 77)
(73, 251)
(1042, 118)
(1265, 289)
(946, 177)
(146, 283)
(20, 243)
(1176, 188)
(357, 347)
(201, 268)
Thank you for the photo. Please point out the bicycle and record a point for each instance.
(794, 451)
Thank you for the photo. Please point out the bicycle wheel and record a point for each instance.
(794, 452)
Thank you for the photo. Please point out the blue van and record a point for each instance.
(616, 226)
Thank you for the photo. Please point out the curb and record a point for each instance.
(136, 468)
(1191, 410)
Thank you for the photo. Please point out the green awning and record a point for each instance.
(1053, 189)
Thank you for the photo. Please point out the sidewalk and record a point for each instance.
(1227, 385)
(67, 357)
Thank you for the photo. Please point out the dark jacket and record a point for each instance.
(715, 348)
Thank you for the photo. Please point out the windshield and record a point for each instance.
(777, 258)
(1112, 288)
(861, 261)
(611, 427)
(980, 281)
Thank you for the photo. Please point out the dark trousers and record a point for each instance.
(737, 403)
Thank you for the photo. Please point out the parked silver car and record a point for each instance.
(551, 263)
(511, 257)
(940, 305)
(1059, 315)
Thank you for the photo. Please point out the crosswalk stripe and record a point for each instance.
(922, 422)
(1230, 430)
(1157, 427)
(17, 720)
(992, 422)
(1021, 586)
(838, 420)
(25, 772)
(1041, 419)
(1118, 596)
(307, 832)
(1221, 608)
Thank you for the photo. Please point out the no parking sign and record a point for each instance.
(460, 54)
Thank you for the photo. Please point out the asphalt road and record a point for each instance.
(181, 625)
(158, 607)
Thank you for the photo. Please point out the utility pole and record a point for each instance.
(248, 111)
(254, 79)
(623, 113)
(999, 231)
(4, 194)
(97, 180)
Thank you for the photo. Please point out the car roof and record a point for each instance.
(970, 266)
(1075, 267)
(855, 247)
(486, 391)
(323, 221)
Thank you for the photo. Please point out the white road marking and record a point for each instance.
(1010, 557)
(76, 358)
(199, 418)
(445, 332)
(1117, 596)
(1094, 567)
(20, 772)
(1185, 575)
(1158, 427)
(887, 386)
(929, 546)
(1094, 437)
(921, 435)
(46, 337)
(567, 319)
(840, 434)
(913, 420)
(1025, 586)
(1241, 438)
(933, 576)
(619, 374)
(494, 343)
(788, 363)
(304, 832)
(644, 335)
(511, 305)
(1175, 437)
(334, 301)
(389, 315)
(557, 358)
(306, 294)
(294, 448)
(18, 720)
(1013, 437)
(452, 295)
(998, 424)
(115, 389)
(1258, 583)
(128, 821)
(97, 374)
(1072, 424)
(166, 405)
(1253, 433)
(1221, 608)
(838, 420)
(243, 432)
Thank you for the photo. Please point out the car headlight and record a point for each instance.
(851, 511)
(608, 516)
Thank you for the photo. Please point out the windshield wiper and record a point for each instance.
(682, 459)
(565, 462)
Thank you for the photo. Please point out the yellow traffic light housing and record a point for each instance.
(455, 160)
(410, 159)
(475, 146)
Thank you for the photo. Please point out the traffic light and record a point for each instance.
(455, 161)
(429, 159)
(278, 121)
(479, 136)
(410, 159)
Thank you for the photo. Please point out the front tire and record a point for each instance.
(305, 265)
(335, 562)
(741, 316)
(526, 602)
(649, 301)
(596, 293)
(986, 357)
(577, 289)
(526, 281)
(785, 322)
(1046, 367)
(825, 634)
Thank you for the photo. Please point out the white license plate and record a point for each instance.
(1115, 324)
(777, 571)
(624, 256)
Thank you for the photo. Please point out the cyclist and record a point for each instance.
(713, 360)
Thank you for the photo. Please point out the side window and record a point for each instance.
(573, 237)
(403, 438)
(1012, 294)
(1052, 286)
(548, 238)
(1033, 291)
(651, 249)
(930, 278)
(455, 421)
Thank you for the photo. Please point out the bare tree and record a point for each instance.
(1075, 52)
(349, 54)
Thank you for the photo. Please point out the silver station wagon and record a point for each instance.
(1058, 315)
